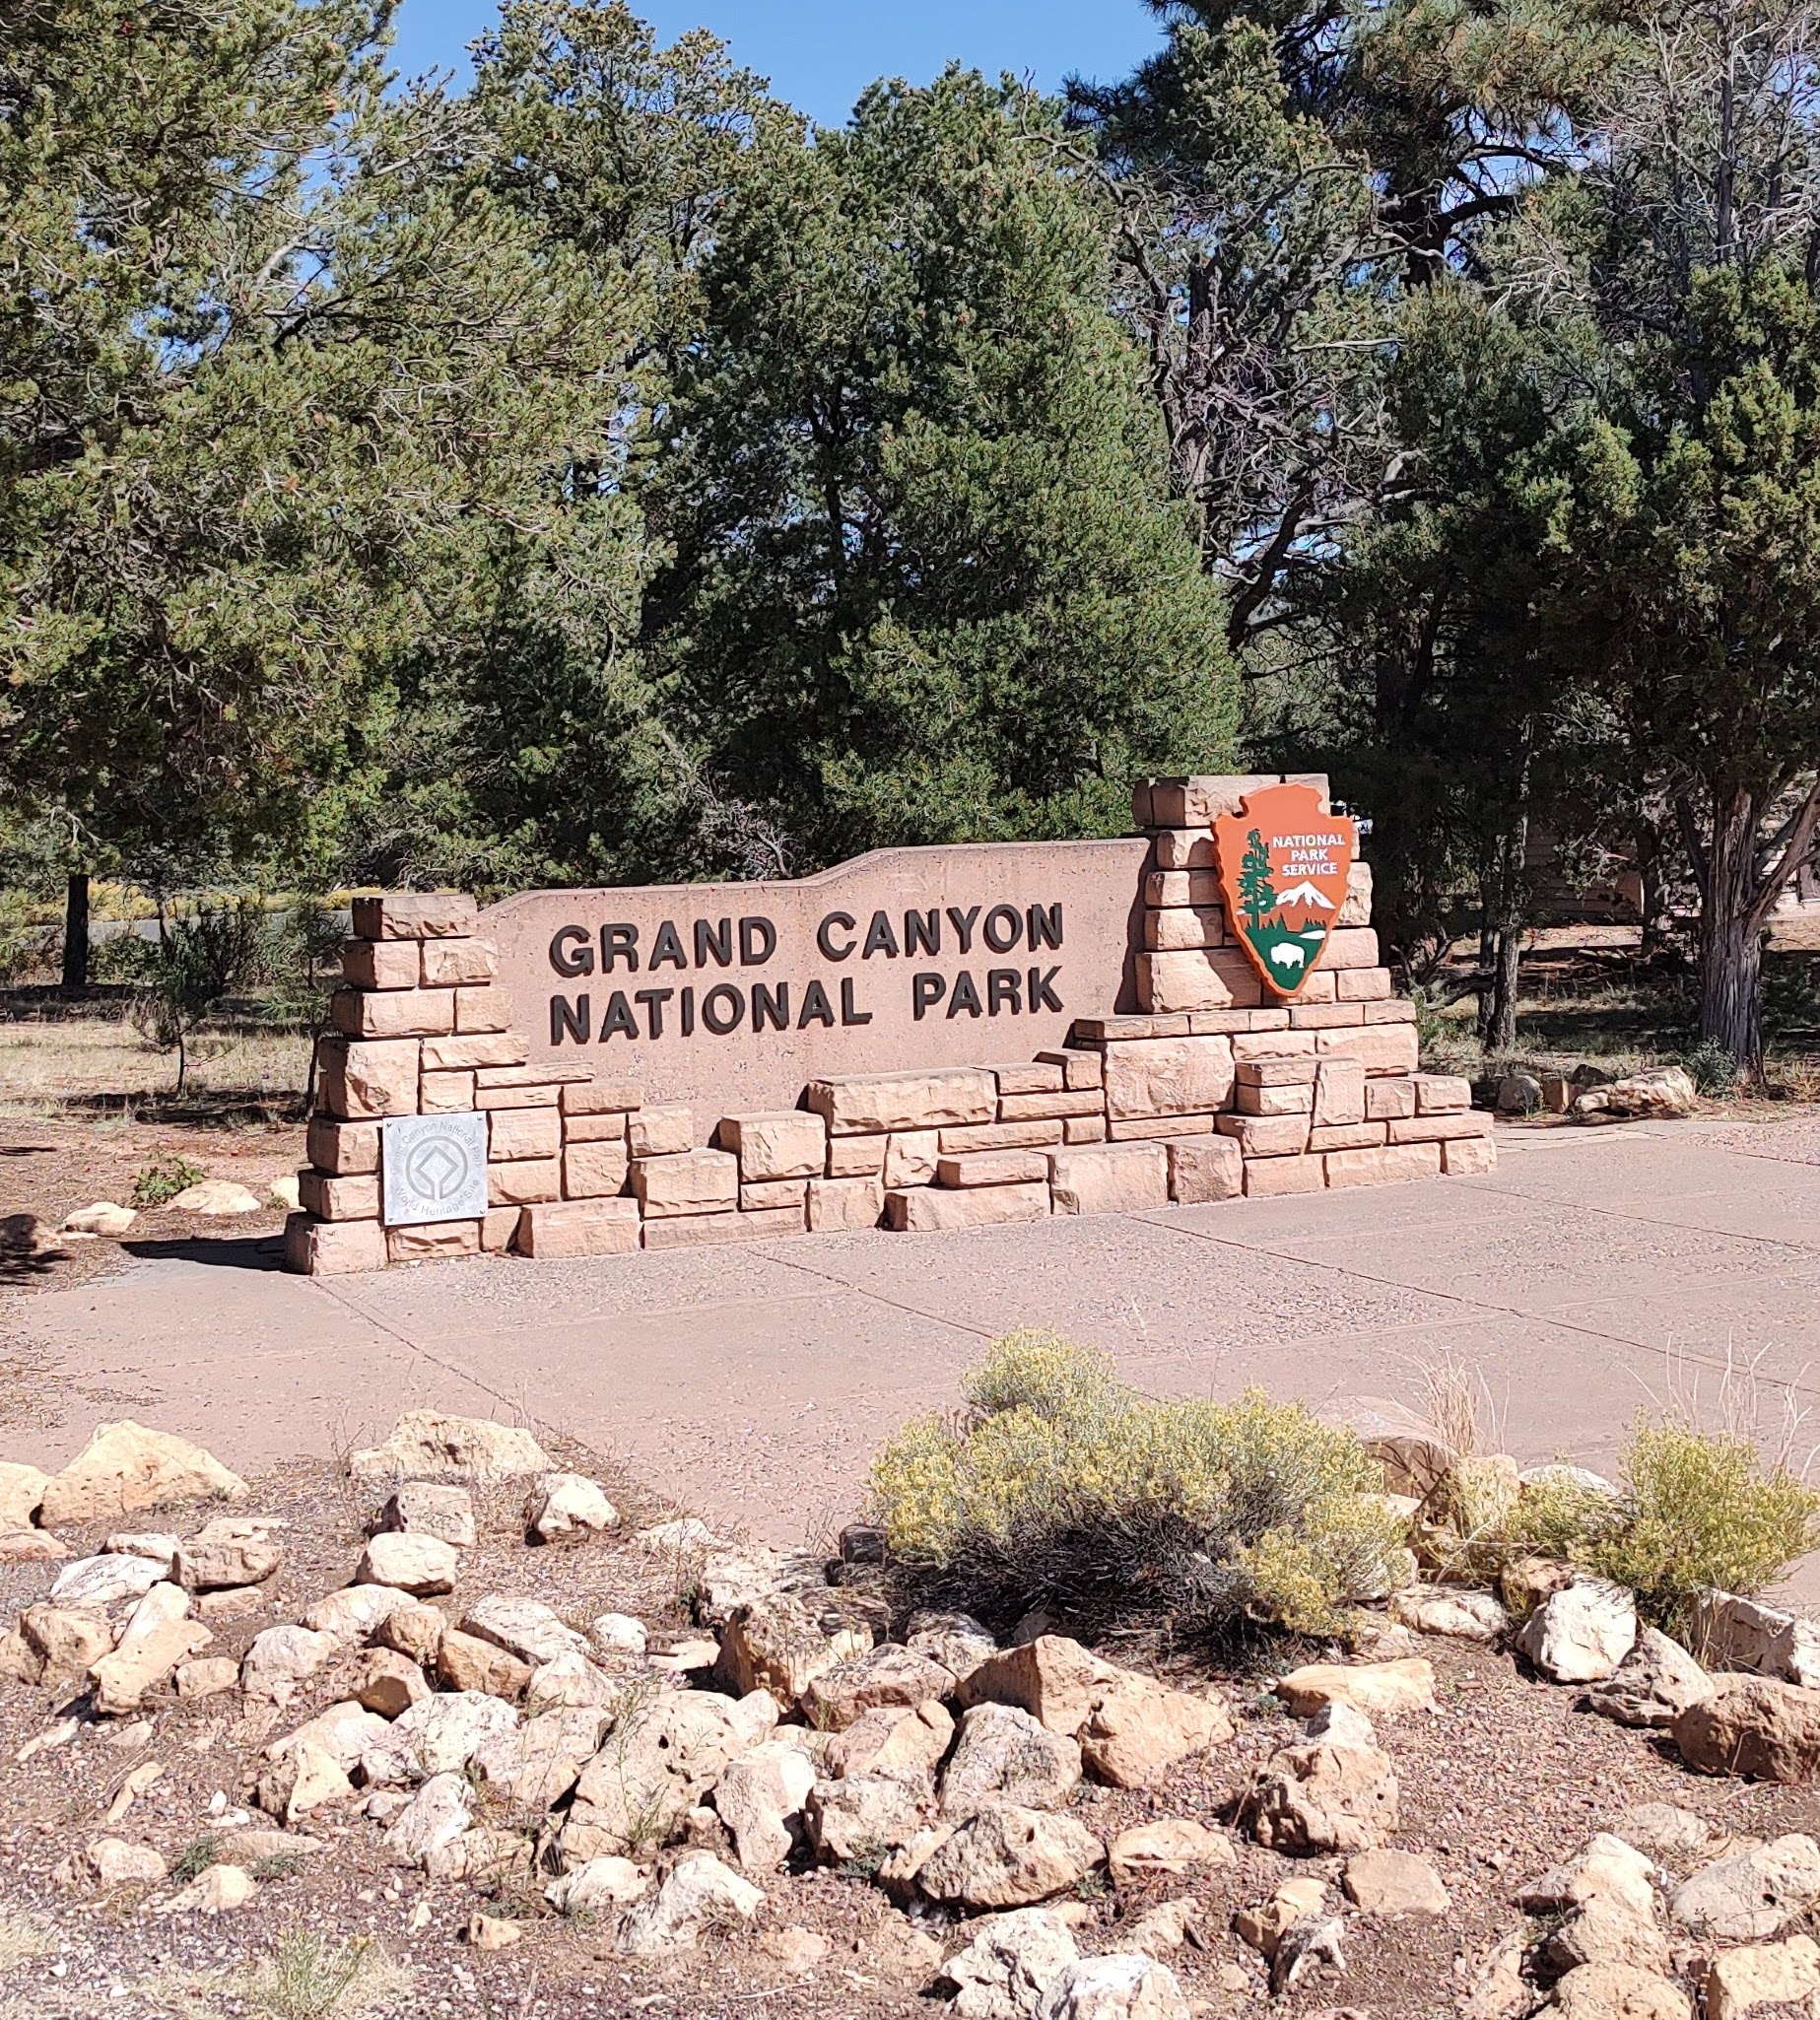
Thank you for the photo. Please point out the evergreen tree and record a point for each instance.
(927, 583)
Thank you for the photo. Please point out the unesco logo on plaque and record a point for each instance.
(435, 1169)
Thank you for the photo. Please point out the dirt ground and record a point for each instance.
(1506, 1778)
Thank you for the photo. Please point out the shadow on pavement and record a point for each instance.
(245, 1251)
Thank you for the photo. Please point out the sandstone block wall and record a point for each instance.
(1216, 1091)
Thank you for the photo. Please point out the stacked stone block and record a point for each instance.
(1214, 1091)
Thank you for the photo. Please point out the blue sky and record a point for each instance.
(820, 54)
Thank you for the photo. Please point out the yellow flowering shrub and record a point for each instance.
(1060, 1486)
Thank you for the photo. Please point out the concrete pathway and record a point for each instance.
(1595, 1273)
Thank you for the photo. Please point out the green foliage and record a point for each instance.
(198, 960)
(1701, 1509)
(311, 1976)
(926, 581)
(1062, 1487)
(163, 1179)
(200, 1852)
(1714, 1070)
(1256, 893)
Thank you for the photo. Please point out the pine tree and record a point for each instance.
(1256, 893)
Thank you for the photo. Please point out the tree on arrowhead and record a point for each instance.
(1256, 893)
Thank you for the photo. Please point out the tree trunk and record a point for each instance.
(76, 933)
(1730, 936)
(1501, 1024)
(1488, 955)
(1651, 868)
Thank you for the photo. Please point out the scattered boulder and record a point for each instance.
(1326, 1798)
(1605, 1869)
(114, 1862)
(440, 1735)
(128, 1468)
(1379, 1689)
(1004, 1755)
(1581, 1632)
(1131, 1728)
(424, 1445)
(1605, 1931)
(1453, 1614)
(760, 1795)
(1394, 1883)
(1619, 1991)
(1752, 1896)
(1519, 1094)
(1753, 1726)
(1526, 1582)
(1663, 1093)
(1654, 1684)
(780, 1645)
(853, 1820)
(103, 1219)
(1296, 1900)
(357, 1611)
(493, 1931)
(215, 1890)
(226, 1553)
(465, 1663)
(1139, 1730)
(1732, 1633)
(59, 1646)
(888, 1675)
(957, 1641)
(216, 1199)
(21, 1492)
(385, 1682)
(1662, 1830)
(1170, 1845)
(95, 1583)
(617, 1634)
(434, 1817)
(536, 1765)
(525, 1628)
(304, 1778)
(891, 1740)
(431, 1508)
(596, 1885)
(698, 1893)
(1784, 1974)
(569, 1683)
(657, 1760)
(282, 1657)
(570, 1506)
(206, 1677)
(123, 1677)
(1117, 1988)
(419, 1565)
(410, 1629)
(1003, 1972)
(1008, 1856)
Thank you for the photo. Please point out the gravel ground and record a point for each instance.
(1506, 1778)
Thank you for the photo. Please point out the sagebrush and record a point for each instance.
(1063, 1489)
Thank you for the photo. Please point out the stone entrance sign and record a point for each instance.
(904, 958)
(923, 1039)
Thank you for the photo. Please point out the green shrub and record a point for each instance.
(164, 1179)
(1700, 1509)
(1695, 1509)
(1712, 1068)
(1061, 1488)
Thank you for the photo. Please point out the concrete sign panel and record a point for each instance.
(733, 996)
(434, 1169)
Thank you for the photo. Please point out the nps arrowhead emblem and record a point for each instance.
(1284, 862)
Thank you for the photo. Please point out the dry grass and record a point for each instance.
(48, 1068)
(21, 1940)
